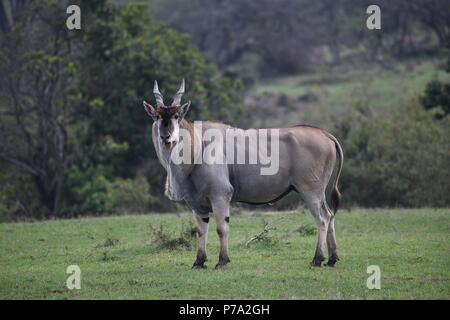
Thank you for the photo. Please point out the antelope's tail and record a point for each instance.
(335, 194)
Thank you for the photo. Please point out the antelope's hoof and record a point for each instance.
(332, 261)
(317, 262)
(199, 266)
(222, 263)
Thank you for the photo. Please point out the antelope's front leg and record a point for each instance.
(221, 210)
(202, 224)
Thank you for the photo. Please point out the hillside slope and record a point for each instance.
(323, 97)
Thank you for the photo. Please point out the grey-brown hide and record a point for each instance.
(307, 157)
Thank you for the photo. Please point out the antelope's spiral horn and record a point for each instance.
(177, 98)
(158, 95)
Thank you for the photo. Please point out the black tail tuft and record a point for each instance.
(335, 194)
(335, 199)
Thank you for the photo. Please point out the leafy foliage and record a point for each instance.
(99, 135)
(437, 94)
(399, 161)
(77, 140)
(127, 50)
(264, 37)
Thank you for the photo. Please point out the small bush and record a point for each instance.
(131, 196)
(18, 199)
(88, 191)
(162, 239)
(437, 94)
(91, 192)
(109, 242)
(306, 230)
(397, 161)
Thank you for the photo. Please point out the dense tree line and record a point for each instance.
(269, 37)
(75, 135)
(76, 140)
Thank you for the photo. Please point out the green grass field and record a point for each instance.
(119, 261)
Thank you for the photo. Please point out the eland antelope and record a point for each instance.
(305, 156)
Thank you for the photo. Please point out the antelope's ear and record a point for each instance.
(150, 110)
(184, 109)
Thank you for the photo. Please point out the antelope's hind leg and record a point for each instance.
(322, 218)
(333, 256)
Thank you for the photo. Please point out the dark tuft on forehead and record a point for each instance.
(166, 113)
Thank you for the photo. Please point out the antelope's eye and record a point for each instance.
(176, 116)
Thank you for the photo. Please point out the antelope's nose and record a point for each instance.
(165, 138)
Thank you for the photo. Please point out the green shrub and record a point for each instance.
(162, 239)
(88, 192)
(18, 198)
(437, 94)
(96, 93)
(131, 196)
(402, 160)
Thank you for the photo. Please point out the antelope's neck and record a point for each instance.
(177, 184)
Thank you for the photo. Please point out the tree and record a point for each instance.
(126, 50)
(71, 101)
(434, 14)
(9, 11)
(34, 96)
(396, 161)
(437, 93)
(292, 36)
